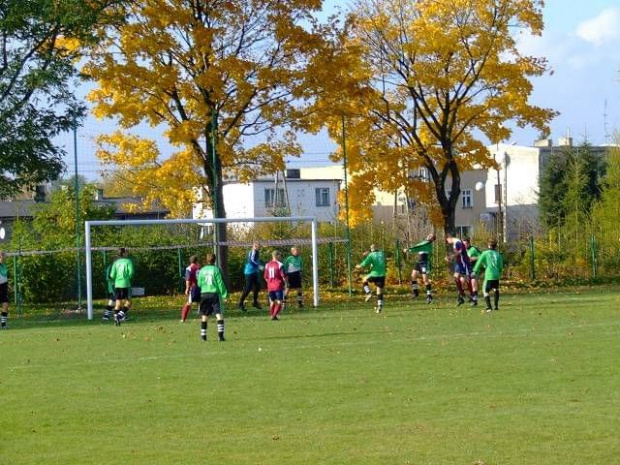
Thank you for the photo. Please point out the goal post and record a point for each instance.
(88, 225)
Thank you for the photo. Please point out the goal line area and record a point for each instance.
(93, 242)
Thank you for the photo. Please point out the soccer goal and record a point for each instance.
(91, 228)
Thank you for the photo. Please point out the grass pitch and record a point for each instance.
(536, 382)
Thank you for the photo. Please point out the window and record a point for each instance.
(463, 231)
(275, 199)
(467, 201)
(322, 196)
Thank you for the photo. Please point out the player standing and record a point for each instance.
(493, 264)
(4, 292)
(122, 273)
(192, 290)
(109, 284)
(276, 278)
(293, 267)
(375, 260)
(462, 267)
(212, 294)
(251, 270)
(422, 267)
(473, 252)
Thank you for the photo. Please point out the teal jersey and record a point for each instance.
(108, 280)
(210, 281)
(376, 262)
(424, 247)
(4, 273)
(292, 264)
(122, 273)
(493, 264)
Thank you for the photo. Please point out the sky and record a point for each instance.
(581, 42)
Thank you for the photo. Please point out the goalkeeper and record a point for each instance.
(213, 293)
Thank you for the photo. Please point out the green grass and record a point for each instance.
(535, 383)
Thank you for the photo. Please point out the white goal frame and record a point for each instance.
(277, 219)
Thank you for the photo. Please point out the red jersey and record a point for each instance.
(274, 275)
(191, 272)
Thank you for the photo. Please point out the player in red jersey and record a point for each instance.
(275, 277)
(192, 291)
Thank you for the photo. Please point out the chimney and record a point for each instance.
(543, 143)
(565, 141)
(39, 193)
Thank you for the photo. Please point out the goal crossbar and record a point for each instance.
(278, 219)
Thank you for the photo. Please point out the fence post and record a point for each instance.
(331, 264)
(532, 261)
(594, 251)
(181, 274)
(399, 262)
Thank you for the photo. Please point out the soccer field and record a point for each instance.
(536, 382)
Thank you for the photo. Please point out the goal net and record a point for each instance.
(160, 244)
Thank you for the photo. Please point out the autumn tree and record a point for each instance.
(37, 68)
(223, 82)
(437, 81)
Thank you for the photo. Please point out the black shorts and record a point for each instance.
(294, 280)
(378, 280)
(122, 293)
(491, 284)
(422, 266)
(210, 304)
(4, 293)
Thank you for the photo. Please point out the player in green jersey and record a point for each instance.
(493, 264)
(122, 274)
(4, 291)
(375, 260)
(474, 253)
(422, 267)
(292, 268)
(213, 292)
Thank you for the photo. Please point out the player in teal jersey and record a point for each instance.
(212, 294)
(375, 260)
(122, 273)
(422, 267)
(474, 253)
(493, 264)
(293, 266)
(4, 291)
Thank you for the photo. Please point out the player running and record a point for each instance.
(375, 260)
(493, 264)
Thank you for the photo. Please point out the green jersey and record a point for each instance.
(424, 249)
(474, 253)
(210, 281)
(108, 280)
(122, 273)
(492, 262)
(376, 262)
(292, 264)
(4, 273)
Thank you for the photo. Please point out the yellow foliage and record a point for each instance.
(445, 79)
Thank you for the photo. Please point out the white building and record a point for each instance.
(292, 196)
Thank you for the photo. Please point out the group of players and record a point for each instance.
(468, 261)
(205, 285)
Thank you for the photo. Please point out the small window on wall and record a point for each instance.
(467, 200)
(463, 231)
(322, 196)
(275, 199)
